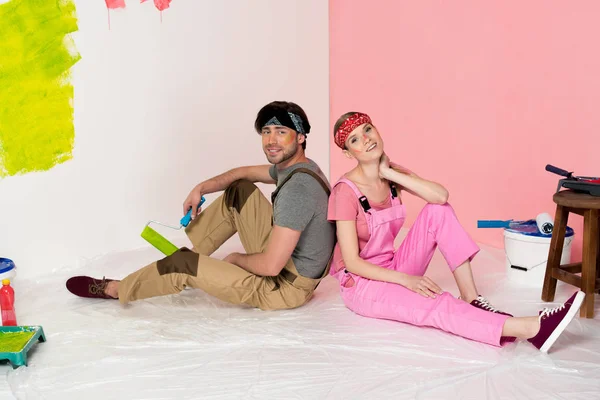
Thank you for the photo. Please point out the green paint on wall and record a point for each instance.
(36, 110)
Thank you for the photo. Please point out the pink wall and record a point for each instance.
(479, 96)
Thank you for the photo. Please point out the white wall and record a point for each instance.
(158, 108)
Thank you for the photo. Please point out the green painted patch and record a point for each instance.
(13, 342)
(36, 110)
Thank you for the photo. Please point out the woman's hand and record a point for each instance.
(431, 192)
(422, 285)
(400, 168)
(384, 166)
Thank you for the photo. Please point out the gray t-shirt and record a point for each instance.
(301, 205)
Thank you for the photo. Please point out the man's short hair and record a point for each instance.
(271, 110)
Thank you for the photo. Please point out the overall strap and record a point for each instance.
(393, 190)
(362, 199)
(303, 170)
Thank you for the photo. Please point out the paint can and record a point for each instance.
(527, 252)
(8, 269)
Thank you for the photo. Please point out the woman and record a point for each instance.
(380, 282)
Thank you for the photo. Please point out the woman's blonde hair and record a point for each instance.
(340, 121)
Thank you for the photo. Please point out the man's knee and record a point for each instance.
(183, 261)
(238, 192)
(242, 185)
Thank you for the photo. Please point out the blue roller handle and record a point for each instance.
(494, 223)
(558, 171)
(188, 217)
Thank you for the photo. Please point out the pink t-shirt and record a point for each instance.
(344, 206)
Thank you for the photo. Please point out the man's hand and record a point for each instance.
(231, 258)
(192, 201)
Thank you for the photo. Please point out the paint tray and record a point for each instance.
(15, 342)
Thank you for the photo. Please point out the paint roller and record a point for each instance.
(159, 241)
(569, 175)
(544, 222)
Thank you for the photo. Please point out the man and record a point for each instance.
(288, 245)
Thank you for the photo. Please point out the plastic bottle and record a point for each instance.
(7, 302)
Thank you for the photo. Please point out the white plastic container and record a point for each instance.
(8, 270)
(527, 254)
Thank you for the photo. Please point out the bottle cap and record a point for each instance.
(6, 282)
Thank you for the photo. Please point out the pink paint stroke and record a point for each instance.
(161, 5)
(114, 4)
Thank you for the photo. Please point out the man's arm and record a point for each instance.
(282, 243)
(295, 208)
(253, 173)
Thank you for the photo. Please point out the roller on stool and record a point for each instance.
(582, 184)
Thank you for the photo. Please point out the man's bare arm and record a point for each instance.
(253, 173)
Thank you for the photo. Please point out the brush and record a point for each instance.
(159, 241)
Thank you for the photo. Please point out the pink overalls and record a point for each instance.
(436, 225)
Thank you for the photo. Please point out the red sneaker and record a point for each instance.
(553, 322)
(484, 304)
(85, 286)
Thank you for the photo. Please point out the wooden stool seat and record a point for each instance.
(588, 206)
(568, 198)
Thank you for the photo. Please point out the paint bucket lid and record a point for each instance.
(530, 228)
(6, 264)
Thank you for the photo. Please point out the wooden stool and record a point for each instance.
(567, 202)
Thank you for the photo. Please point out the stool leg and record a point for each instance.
(598, 255)
(588, 266)
(555, 253)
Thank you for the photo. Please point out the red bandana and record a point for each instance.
(350, 124)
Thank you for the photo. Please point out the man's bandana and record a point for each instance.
(289, 120)
(350, 124)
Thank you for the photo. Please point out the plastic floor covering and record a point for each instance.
(193, 346)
